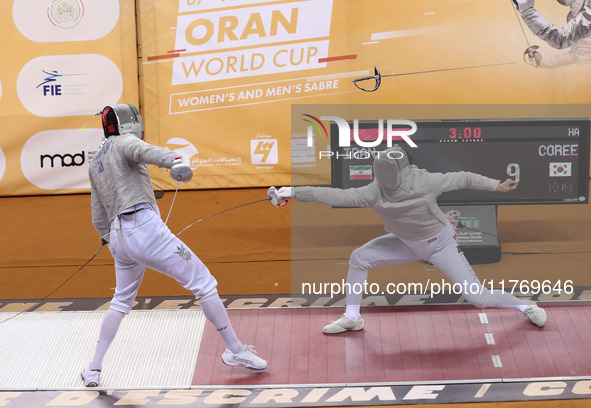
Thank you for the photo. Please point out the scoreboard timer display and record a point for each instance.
(548, 157)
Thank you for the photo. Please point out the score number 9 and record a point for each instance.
(513, 171)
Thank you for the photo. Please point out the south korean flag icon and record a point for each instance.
(560, 169)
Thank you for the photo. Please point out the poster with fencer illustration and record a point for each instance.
(216, 80)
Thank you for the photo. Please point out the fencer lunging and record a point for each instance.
(404, 197)
(125, 214)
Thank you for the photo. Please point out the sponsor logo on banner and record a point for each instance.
(563, 169)
(360, 172)
(58, 159)
(65, 13)
(2, 164)
(302, 155)
(69, 85)
(264, 151)
(50, 86)
(65, 20)
(263, 39)
(63, 160)
(184, 147)
(456, 219)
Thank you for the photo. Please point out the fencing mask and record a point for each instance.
(122, 118)
(391, 166)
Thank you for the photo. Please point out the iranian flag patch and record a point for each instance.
(360, 172)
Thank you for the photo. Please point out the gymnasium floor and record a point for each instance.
(409, 353)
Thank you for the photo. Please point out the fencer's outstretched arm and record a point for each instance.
(444, 182)
(353, 197)
(557, 37)
(139, 151)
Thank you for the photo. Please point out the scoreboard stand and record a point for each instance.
(476, 230)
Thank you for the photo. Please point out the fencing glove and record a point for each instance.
(181, 171)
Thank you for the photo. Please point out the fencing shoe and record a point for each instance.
(343, 324)
(90, 377)
(246, 358)
(536, 314)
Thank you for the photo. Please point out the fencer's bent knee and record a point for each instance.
(120, 307)
(357, 262)
(204, 298)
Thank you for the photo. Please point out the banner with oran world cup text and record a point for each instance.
(216, 80)
(219, 78)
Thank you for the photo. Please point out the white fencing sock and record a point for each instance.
(215, 312)
(109, 328)
(355, 279)
(502, 299)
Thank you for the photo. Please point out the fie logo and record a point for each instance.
(264, 151)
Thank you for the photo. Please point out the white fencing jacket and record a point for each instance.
(404, 196)
(119, 177)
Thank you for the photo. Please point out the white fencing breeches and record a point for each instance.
(441, 250)
(141, 240)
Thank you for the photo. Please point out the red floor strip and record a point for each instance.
(399, 344)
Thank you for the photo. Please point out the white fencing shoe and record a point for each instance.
(246, 358)
(536, 314)
(90, 377)
(343, 324)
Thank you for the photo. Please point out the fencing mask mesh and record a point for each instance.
(390, 167)
(122, 118)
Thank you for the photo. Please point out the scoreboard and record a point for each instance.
(548, 157)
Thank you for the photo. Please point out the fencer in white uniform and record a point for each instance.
(404, 197)
(125, 214)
